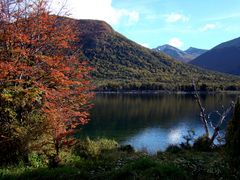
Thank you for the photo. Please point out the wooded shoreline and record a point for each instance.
(162, 92)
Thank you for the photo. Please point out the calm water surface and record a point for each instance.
(150, 121)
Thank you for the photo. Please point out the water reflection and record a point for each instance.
(149, 122)
(158, 139)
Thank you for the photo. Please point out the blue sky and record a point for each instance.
(181, 23)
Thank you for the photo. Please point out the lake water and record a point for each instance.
(150, 121)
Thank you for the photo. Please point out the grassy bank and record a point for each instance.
(105, 159)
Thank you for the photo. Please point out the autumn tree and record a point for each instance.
(38, 60)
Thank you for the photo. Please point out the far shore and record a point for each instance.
(161, 92)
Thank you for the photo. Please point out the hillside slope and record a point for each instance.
(223, 58)
(123, 64)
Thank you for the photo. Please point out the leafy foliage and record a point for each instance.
(40, 74)
(89, 148)
(202, 143)
(173, 149)
(233, 136)
(22, 122)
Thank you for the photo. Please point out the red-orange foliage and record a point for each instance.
(36, 50)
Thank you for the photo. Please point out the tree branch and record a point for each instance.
(203, 115)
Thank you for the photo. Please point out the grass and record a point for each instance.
(112, 162)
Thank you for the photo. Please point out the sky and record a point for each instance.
(180, 23)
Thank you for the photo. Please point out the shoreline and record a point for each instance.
(163, 92)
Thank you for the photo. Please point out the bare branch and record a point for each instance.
(202, 110)
(222, 118)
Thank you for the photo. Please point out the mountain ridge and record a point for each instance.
(224, 58)
(183, 56)
(195, 51)
(121, 63)
(231, 43)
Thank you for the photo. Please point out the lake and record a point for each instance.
(150, 122)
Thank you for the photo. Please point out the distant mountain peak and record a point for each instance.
(194, 49)
(167, 46)
(195, 52)
(191, 49)
(184, 56)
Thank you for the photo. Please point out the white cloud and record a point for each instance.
(175, 17)
(208, 27)
(99, 10)
(175, 42)
(133, 16)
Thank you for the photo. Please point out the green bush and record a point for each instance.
(36, 160)
(202, 143)
(173, 149)
(93, 148)
(21, 122)
(69, 158)
(233, 137)
(127, 148)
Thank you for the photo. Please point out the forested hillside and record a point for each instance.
(123, 64)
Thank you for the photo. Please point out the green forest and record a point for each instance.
(121, 64)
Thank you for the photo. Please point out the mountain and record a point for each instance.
(223, 58)
(183, 56)
(120, 63)
(195, 52)
(174, 53)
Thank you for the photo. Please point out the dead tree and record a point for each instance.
(222, 118)
(205, 119)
